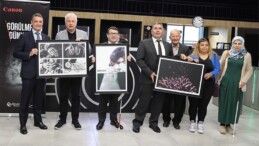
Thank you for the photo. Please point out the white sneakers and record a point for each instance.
(200, 127)
(192, 126)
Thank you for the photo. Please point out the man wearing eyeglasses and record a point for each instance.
(113, 38)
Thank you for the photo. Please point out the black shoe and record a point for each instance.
(23, 130)
(59, 124)
(166, 124)
(99, 126)
(177, 126)
(155, 128)
(77, 125)
(40, 125)
(116, 124)
(135, 129)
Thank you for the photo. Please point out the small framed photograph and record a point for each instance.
(111, 68)
(58, 58)
(220, 45)
(227, 46)
(179, 77)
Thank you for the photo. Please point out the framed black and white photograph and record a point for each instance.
(111, 68)
(62, 58)
(179, 77)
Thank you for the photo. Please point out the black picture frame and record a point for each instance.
(111, 68)
(179, 77)
(62, 58)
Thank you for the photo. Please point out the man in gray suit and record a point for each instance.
(147, 59)
(70, 86)
(180, 51)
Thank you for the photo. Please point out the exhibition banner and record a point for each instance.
(15, 19)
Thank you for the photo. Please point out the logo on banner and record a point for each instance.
(12, 10)
(13, 104)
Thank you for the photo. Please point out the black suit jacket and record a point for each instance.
(22, 50)
(147, 58)
(183, 50)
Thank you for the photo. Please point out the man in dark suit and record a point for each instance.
(147, 59)
(26, 50)
(70, 86)
(180, 51)
(113, 38)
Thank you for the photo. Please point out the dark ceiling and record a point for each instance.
(210, 9)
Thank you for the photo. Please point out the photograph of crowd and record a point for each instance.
(179, 77)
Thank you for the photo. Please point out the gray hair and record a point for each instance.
(70, 14)
(175, 30)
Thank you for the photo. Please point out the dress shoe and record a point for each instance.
(155, 128)
(176, 126)
(165, 124)
(116, 124)
(40, 125)
(135, 129)
(99, 126)
(23, 130)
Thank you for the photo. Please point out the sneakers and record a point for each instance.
(200, 127)
(76, 125)
(222, 130)
(192, 126)
(229, 130)
(59, 124)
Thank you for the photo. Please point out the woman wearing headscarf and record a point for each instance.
(236, 70)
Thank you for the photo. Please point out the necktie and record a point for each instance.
(38, 35)
(159, 47)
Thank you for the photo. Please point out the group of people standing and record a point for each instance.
(234, 69)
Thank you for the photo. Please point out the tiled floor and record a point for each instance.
(247, 132)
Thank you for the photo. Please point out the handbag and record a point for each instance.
(216, 90)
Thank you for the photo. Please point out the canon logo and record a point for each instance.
(13, 10)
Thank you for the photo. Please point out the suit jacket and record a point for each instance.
(62, 35)
(147, 58)
(22, 50)
(183, 50)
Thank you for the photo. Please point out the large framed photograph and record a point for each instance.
(111, 68)
(58, 58)
(179, 77)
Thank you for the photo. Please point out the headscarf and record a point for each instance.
(237, 54)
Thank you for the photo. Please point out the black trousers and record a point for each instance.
(69, 87)
(104, 99)
(199, 105)
(179, 102)
(148, 98)
(34, 88)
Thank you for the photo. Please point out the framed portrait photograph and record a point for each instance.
(111, 67)
(58, 58)
(179, 77)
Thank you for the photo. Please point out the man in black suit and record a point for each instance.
(180, 51)
(147, 59)
(26, 50)
(113, 38)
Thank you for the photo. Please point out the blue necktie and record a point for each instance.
(38, 35)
